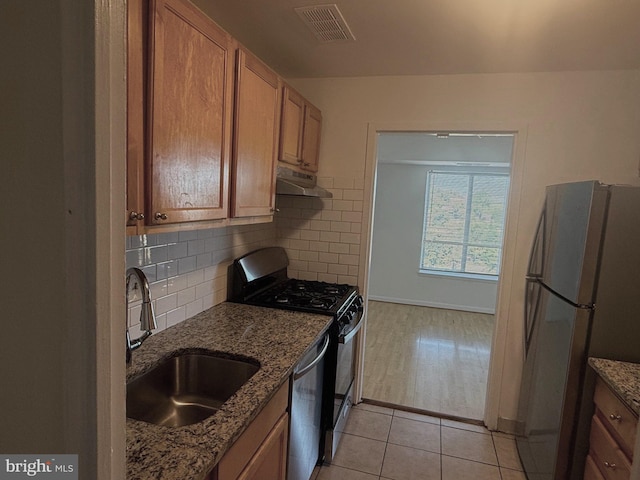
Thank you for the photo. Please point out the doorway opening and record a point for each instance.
(438, 224)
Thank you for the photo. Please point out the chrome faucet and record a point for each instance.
(147, 316)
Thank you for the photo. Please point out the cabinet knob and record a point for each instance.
(274, 210)
(136, 216)
(161, 216)
(612, 466)
(615, 417)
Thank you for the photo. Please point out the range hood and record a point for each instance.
(290, 182)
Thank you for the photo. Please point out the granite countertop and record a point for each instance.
(622, 377)
(275, 338)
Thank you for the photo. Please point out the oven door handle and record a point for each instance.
(315, 361)
(348, 336)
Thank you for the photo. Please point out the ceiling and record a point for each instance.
(419, 37)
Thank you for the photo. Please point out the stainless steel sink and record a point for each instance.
(186, 389)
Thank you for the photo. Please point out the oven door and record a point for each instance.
(345, 375)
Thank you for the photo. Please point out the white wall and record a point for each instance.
(576, 126)
(396, 248)
(399, 215)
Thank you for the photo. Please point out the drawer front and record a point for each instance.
(617, 416)
(610, 460)
(591, 471)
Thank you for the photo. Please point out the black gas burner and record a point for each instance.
(305, 295)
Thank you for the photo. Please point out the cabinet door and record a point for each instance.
(311, 138)
(291, 129)
(256, 129)
(270, 461)
(187, 170)
(137, 15)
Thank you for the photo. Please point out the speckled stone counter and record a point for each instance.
(622, 377)
(277, 339)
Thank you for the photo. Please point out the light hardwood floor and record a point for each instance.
(427, 358)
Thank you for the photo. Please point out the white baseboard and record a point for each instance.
(447, 306)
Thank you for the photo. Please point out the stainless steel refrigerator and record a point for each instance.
(582, 300)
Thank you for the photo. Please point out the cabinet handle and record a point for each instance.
(274, 210)
(136, 216)
(615, 417)
(612, 466)
(306, 164)
(161, 216)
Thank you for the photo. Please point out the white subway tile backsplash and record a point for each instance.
(188, 235)
(336, 247)
(176, 316)
(195, 247)
(177, 250)
(330, 236)
(343, 205)
(343, 182)
(328, 277)
(186, 265)
(312, 235)
(177, 283)
(309, 255)
(337, 222)
(353, 194)
(187, 271)
(340, 226)
(166, 303)
(186, 296)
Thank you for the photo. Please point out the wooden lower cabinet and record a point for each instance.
(612, 437)
(261, 451)
(270, 461)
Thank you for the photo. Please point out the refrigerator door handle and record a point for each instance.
(531, 307)
(537, 257)
(582, 306)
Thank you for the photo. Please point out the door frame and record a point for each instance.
(505, 282)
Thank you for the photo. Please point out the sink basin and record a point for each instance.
(186, 388)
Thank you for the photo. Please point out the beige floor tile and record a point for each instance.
(460, 469)
(374, 408)
(411, 433)
(404, 463)
(368, 424)
(507, 453)
(359, 453)
(333, 472)
(512, 474)
(416, 416)
(471, 427)
(468, 445)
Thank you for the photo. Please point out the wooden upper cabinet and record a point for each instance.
(190, 108)
(256, 129)
(300, 131)
(137, 15)
(311, 138)
(291, 126)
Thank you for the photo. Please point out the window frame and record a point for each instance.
(494, 171)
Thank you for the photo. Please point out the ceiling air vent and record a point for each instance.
(326, 22)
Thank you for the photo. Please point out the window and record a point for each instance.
(464, 222)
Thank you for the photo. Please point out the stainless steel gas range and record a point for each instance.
(260, 278)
